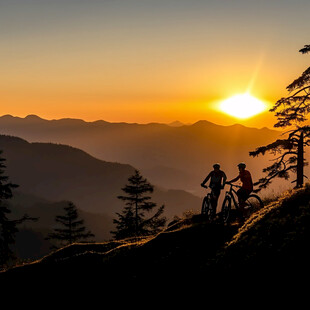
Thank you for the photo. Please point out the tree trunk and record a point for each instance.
(136, 216)
(300, 161)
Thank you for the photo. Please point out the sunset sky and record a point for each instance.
(148, 60)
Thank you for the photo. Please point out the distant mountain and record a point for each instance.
(171, 157)
(176, 124)
(59, 172)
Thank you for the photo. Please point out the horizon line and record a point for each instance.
(175, 123)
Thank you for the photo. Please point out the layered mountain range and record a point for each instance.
(169, 156)
(88, 163)
(58, 172)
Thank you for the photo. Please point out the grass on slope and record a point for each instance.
(274, 240)
(175, 253)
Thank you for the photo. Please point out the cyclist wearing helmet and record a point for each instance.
(217, 182)
(247, 185)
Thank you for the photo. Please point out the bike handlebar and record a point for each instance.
(233, 185)
(227, 183)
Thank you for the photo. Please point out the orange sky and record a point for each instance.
(159, 61)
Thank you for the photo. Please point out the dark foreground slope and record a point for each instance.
(274, 241)
(173, 255)
(273, 244)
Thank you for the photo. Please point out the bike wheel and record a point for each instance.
(226, 207)
(254, 203)
(206, 208)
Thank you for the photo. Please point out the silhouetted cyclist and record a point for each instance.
(217, 182)
(247, 185)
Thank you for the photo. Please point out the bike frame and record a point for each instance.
(210, 193)
(231, 201)
(209, 197)
(231, 194)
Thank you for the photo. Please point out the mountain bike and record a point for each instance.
(252, 203)
(206, 208)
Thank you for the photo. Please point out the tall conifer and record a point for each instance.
(8, 227)
(71, 227)
(291, 111)
(132, 221)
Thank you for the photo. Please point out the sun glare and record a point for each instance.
(242, 106)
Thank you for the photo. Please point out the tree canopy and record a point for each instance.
(71, 228)
(132, 221)
(291, 111)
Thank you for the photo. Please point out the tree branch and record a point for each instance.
(264, 182)
(305, 49)
(274, 147)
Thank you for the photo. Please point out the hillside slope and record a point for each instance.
(273, 242)
(61, 172)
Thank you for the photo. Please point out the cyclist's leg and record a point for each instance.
(215, 198)
(243, 195)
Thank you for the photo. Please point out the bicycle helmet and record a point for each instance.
(216, 165)
(242, 165)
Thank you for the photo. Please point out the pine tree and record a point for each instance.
(291, 112)
(293, 109)
(132, 222)
(8, 227)
(72, 227)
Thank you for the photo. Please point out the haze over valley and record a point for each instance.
(170, 157)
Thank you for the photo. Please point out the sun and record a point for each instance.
(242, 106)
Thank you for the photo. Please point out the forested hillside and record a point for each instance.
(60, 172)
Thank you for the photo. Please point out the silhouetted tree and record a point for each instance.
(132, 222)
(290, 111)
(8, 228)
(72, 227)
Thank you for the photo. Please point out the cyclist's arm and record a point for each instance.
(206, 179)
(224, 179)
(234, 180)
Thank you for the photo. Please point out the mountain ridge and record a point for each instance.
(61, 172)
(190, 149)
(34, 117)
